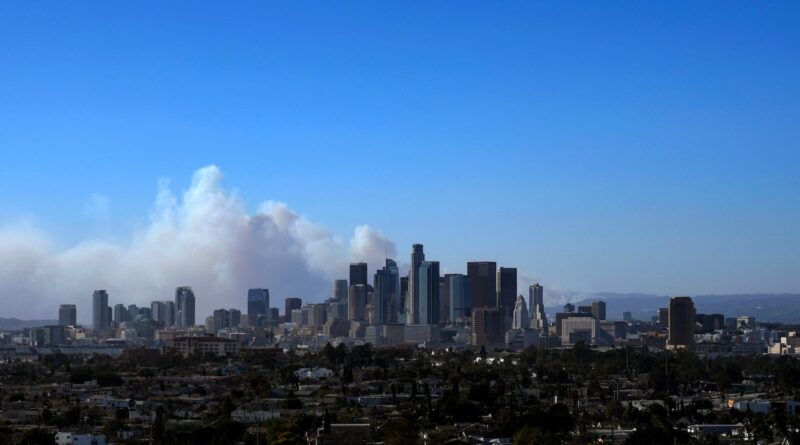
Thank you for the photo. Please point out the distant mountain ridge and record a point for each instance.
(783, 308)
(15, 324)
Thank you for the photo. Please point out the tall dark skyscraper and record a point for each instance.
(358, 274)
(681, 323)
(403, 314)
(257, 304)
(120, 314)
(67, 315)
(412, 300)
(100, 309)
(482, 277)
(458, 294)
(386, 298)
(184, 306)
(507, 289)
(599, 310)
(444, 299)
(428, 274)
(291, 304)
(340, 290)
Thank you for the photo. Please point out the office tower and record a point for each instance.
(163, 311)
(235, 317)
(663, 316)
(458, 294)
(535, 296)
(100, 319)
(358, 274)
(536, 300)
(482, 283)
(67, 315)
(317, 315)
(585, 309)
(386, 299)
(120, 314)
(428, 275)
(710, 322)
(340, 290)
(444, 299)
(257, 304)
(402, 315)
(521, 319)
(681, 323)
(569, 307)
(599, 310)
(209, 324)
(273, 316)
(412, 300)
(221, 320)
(356, 302)
(487, 326)
(184, 306)
(133, 313)
(507, 289)
(627, 316)
(291, 304)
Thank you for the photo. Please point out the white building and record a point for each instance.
(521, 318)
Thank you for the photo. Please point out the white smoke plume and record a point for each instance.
(206, 240)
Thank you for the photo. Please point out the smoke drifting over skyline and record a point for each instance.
(206, 239)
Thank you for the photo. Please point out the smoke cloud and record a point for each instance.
(206, 239)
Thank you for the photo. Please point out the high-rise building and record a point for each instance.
(457, 285)
(120, 314)
(412, 300)
(428, 274)
(444, 299)
(291, 304)
(507, 289)
(487, 326)
(599, 310)
(221, 319)
(257, 304)
(386, 298)
(358, 274)
(184, 306)
(100, 318)
(569, 307)
(585, 309)
(67, 315)
(402, 317)
(482, 277)
(627, 316)
(340, 290)
(663, 317)
(164, 312)
(356, 302)
(681, 323)
(536, 300)
(235, 316)
(521, 319)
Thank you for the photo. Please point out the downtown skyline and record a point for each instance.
(598, 148)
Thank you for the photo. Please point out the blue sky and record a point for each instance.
(597, 146)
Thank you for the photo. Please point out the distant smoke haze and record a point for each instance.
(205, 239)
